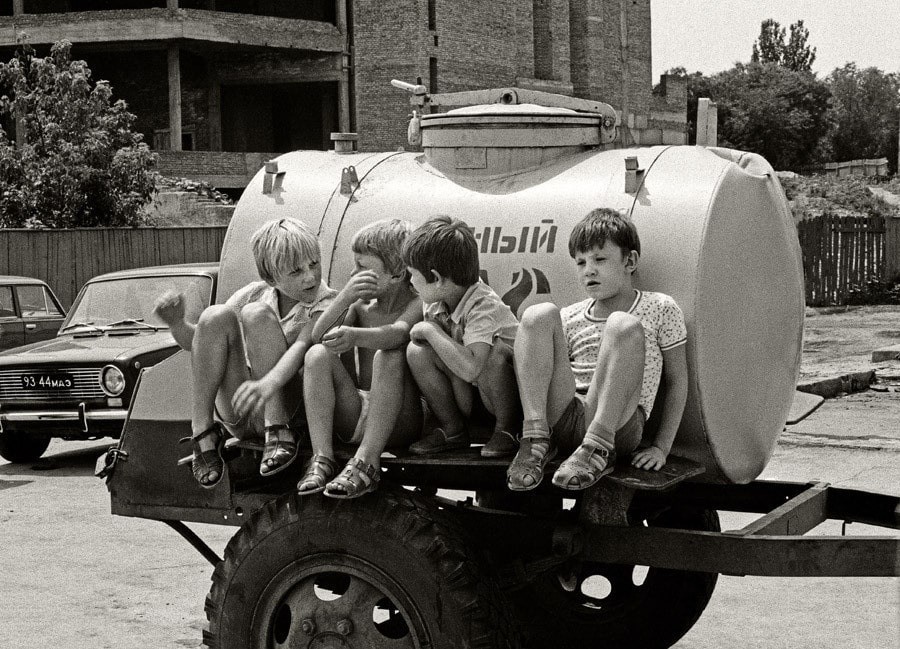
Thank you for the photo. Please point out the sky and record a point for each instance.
(711, 36)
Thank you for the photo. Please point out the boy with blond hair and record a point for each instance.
(246, 354)
(465, 342)
(371, 400)
(588, 374)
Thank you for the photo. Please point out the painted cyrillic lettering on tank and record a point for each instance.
(531, 239)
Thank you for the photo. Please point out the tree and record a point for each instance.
(795, 54)
(779, 113)
(866, 109)
(80, 164)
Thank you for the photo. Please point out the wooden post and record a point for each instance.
(214, 111)
(891, 248)
(18, 7)
(707, 123)
(174, 97)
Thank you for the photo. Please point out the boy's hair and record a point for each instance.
(601, 225)
(282, 246)
(446, 245)
(384, 240)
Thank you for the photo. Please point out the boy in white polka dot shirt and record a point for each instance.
(588, 374)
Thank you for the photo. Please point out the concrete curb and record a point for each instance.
(847, 383)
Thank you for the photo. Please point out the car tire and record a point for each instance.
(19, 448)
(619, 606)
(389, 570)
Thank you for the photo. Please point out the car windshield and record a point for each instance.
(115, 301)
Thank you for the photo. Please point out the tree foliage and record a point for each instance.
(794, 54)
(80, 164)
(767, 109)
(866, 105)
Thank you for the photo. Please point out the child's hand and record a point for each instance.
(339, 340)
(170, 308)
(251, 396)
(362, 286)
(422, 331)
(649, 459)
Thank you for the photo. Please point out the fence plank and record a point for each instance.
(66, 259)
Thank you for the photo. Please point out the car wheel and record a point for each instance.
(19, 448)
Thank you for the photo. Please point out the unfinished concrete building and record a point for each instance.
(218, 86)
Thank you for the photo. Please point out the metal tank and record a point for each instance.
(715, 228)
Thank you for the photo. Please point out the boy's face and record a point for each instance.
(301, 283)
(428, 291)
(384, 280)
(605, 272)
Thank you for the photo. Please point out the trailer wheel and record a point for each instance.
(19, 448)
(387, 571)
(619, 606)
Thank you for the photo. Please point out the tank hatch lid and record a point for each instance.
(498, 139)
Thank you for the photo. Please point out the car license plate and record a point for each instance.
(48, 381)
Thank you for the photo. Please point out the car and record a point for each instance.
(78, 385)
(29, 311)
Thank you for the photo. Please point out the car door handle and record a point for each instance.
(29, 327)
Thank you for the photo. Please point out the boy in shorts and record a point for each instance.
(464, 343)
(246, 354)
(367, 397)
(588, 374)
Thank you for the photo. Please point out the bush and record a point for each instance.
(874, 292)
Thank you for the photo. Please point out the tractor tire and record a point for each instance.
(19, 448)
(388, 570)
(595, 605)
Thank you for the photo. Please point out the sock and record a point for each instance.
(601, 437)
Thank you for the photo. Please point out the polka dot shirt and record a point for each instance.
(664, 329)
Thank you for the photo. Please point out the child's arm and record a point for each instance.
(467, 362)
(251, 395)
(389, 336)
(361, 286)
(675, 378)
(170, 309)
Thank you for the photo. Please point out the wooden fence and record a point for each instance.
(840, 253)
(66, 259)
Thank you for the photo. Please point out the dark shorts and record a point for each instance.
(569, 430)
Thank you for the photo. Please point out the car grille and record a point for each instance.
(86, 380)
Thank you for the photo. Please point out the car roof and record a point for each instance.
(18, 279)
(205, 268)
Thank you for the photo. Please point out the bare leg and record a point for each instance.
(265, 343)
(327, 383)
(616, 386)
(437, 383)
(395, 416)
(218, 366)
(546, 385)
(497, 385)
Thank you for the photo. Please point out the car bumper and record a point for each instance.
(79, 421)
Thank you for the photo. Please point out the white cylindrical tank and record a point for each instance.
(716, 234)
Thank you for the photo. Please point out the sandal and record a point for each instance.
(319, 471)
(357, 479)
(527, 469)
(278, 454)
(203, 463)
(584, 467)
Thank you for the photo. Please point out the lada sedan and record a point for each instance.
(29, 311)
(79, 384)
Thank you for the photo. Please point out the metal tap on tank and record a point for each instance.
(716, 234)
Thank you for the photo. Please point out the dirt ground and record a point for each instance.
(840, 340)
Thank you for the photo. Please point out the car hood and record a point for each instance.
(82, 349)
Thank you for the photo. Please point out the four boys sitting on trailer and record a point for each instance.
(416, 329)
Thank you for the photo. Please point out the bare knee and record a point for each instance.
(218, 318)
(624, 329)
(420, 356)
(317, 357)
(539, 316)
(497, 364)
(390, 360)
(256, 314)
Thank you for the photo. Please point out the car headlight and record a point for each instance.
(112, 380)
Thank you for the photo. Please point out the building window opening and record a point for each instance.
(543, 39)
(277, 118)
(432, 15)
(432, 75)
